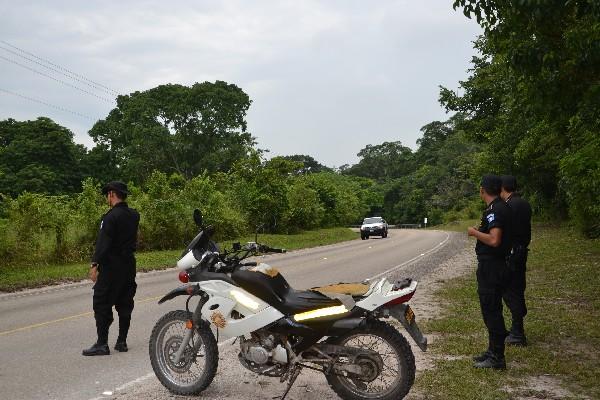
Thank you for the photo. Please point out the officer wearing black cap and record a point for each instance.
(493, 246)
(113, 269)
(514, 296)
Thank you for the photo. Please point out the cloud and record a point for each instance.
(326, 78)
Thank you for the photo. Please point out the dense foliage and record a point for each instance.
(39, 156)
(438, 181)
(254, 194)
(532, 99)
(175, 129)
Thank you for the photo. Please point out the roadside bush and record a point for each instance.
(218, 210)
(40, 226)
(88, 208)
(162, 223)
(271, 194)
(305, 210)
(339, 198)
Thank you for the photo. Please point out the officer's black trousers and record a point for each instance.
(514, 295)
(111, 292)
(492, 276)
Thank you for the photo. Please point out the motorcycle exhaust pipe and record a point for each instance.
(344, 325)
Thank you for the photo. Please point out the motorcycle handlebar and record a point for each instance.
(249, 264)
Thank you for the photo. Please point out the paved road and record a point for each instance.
(42, 332)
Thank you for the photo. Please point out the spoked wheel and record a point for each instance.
(389, 376)
(198, 364)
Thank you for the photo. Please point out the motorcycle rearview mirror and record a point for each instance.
(198, 217)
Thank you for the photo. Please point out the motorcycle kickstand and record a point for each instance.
(293, 377)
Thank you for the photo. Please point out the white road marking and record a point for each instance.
(145, 377)
(133, 382)
(436, 248)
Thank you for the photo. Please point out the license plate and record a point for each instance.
(409, 315)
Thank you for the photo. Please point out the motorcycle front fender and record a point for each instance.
(184, 290)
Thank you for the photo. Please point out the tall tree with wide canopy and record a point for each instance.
(38, 156)
(384, 161)
(175, 128)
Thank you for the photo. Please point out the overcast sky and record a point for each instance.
(326, 78)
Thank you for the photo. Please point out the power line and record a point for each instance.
(57, 80)
(94, 86)
(59, 67)
(48, 104)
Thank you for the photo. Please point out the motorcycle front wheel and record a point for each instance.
(388, 379)
(198, 364)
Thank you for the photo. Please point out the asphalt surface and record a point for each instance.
(43, 331)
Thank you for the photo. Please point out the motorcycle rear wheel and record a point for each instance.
(198, 365)
(396, 354)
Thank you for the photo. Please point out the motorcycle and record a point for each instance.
(339, 330)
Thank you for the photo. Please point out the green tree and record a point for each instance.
(260, 187)
(177, 129)
(305, 210)
(388, 160)
(38, 156)
(309, 164)
(532, 98)
(342, 198)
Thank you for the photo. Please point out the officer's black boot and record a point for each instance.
(100, 348)
(516, 337)
(495, 360)
(481, 357)
(121, 345)
(124, 322)
(97, 349)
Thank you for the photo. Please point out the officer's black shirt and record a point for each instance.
(521, 213)
(496, 215)
(116, 241)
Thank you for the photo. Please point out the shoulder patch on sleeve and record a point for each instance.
(491, 217)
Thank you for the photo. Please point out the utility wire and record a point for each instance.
(48, 104)
(57, 80)
(114, 92)
(92, 85)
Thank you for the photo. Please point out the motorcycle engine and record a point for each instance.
(263, 354)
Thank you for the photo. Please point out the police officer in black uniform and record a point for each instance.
(514, 295)
(113, 269)
(493, 246)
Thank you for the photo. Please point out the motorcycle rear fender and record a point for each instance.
(399, 312)
(381, 293)
(184, 290)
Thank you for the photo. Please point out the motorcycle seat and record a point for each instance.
(356, 289)
(277, 292)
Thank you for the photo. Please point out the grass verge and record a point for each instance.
(456, 226)
(15, 277)
(563, 329)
